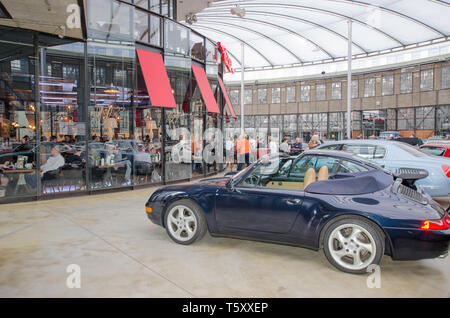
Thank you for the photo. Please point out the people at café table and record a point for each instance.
(118, 160)
(49, 169)
(297, 145)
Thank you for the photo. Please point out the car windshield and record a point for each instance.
(435, 151)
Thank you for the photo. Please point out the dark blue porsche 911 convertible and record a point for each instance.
(356, 211)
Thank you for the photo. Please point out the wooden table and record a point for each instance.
(108, 175)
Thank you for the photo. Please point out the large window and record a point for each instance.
(369, 87)
(110, 20)
(305, 93)
(425, 118)
(276, 95)
(63, 119)
(19, 165)
(405, 119)
(321, 91)
(336, 91)
(197, 46)
(234, 96)
(445, 77)
(290, 94)
(387, 85)
(248, 96)
(112, 151)
(176, 38)
(406, 83)
(262, 95)
(426, 80)
(355, 88)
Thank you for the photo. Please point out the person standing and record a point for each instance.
(243, 149)
(273, 145)
(229, 153)
(284, 147)
(314, 142)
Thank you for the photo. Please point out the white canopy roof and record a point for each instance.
(283, 33)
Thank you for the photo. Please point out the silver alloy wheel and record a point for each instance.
(352, 246)
(182, 223)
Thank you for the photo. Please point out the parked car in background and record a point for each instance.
(393, 155)
(440, 150)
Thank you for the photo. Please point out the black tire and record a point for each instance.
(376, 235)
(201, 226)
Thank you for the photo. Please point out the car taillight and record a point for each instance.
(446, 170)
(442, 224)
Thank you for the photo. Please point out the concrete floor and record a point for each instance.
(122, 254)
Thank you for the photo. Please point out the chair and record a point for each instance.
(310, 177)
(323, 173)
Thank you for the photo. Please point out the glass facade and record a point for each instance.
(77, 116)
(305, 91)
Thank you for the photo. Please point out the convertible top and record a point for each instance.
(352, 183)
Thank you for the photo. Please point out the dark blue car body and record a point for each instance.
(299, 217)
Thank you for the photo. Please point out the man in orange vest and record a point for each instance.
(243, 149)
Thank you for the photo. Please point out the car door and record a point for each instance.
(254, 208)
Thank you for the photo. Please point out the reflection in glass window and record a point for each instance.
(321, 92)
(369, 87)
(197, 46)
(336, 91)
(276, 95)
(406, 83)
(248, 96)
(142, 3)
(141, 29)
(176, 38)
(355, 88)
(387, 86)
(71, 71)
(426, 80)
(154, 5)
(290, 94)
(445, 77)
(305, 91)
(262, 95)
(155, 30)
(110, 20)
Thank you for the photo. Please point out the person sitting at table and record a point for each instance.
(118, 160)
(50, 169)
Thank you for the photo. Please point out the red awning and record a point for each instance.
(156, 79)
(205, 89)
(227, 98)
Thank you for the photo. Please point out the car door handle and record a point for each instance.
(293, 201)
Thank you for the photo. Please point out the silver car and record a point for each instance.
(392, 155)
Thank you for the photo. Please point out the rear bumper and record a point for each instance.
(411, 244)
